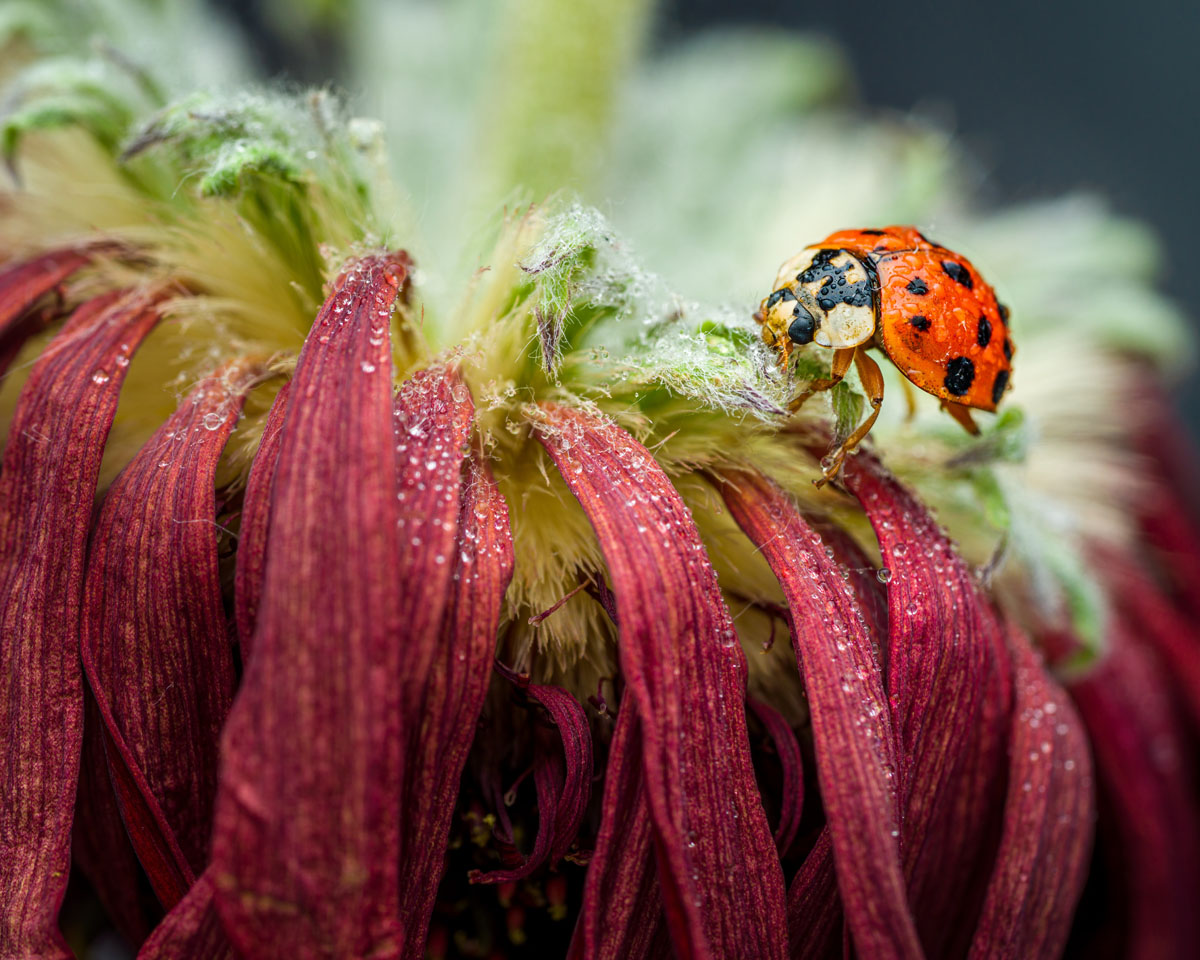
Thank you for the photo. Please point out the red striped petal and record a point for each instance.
(155, 642)
(852, 729)
(562, 775)
(21, 286)
(252, 534)
(47, 485)
(306, 848)
(192, 930)
(622, 916)
(454, 693)
(814, 909)
(100, 846)
(949, 698)
(720, 876)
(787, 748)
(1048, 820)
(1144, 769)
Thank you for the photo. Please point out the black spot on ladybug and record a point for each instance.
(917, 285)
(960, 374)
(958, 273)
(920, 322)
(871, 233)
(998, 385)
(1004, 312)
(1007, 349)
(803, 327)
(784, 294)
(983, 336)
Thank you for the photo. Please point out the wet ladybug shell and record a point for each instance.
(937, 319)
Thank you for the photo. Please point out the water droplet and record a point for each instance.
(883, 575)
(213, 421)
(100, 377)
(900, 549)
(367, 366)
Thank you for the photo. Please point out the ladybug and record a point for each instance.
(925, 306)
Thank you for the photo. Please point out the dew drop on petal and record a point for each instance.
(883, 575)
(100, 377)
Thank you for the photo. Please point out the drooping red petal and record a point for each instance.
(306, 846)
(852, 727)
(252, 534)
(100, 846)
(622, 916)
(192, 930)
(814, 909)
(685, 671)
(949, 696)
(563, 778)
(1048, 820)
(21, 286)
(1145, 774)
(454, 693)
(155, 643)
(1174, 637)
(47, 484)
(787, 748)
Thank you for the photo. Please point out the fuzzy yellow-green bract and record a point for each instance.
(245, 202)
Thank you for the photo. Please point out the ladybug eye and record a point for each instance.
(803, 327)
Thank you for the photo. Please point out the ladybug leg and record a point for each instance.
(872, 381)
(910, 399)
(963, 415)
(841, 364)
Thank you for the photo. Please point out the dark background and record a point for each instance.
(1050, 96)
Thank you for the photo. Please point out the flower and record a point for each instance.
(419, 624)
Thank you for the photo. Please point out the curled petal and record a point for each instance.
(192, 930)
(47, 485)
(155, 645)
(21, 286)
(720, 876)
(306, 845)
(454, 694)
(949, 694)
(1144, 772)
(852, 728)
(814, 909)
(622, 916)
(252, 534)
(563, 784)
(788, 750)
(1048, 820)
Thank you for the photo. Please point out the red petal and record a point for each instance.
(852, 730)
(1048, 820)
(21, 287)
(1175, 639)
(622, 916)
(252, 534)
(155, 643)
(788, 750)
(564, 783)
(814, 909)
(1144, 772)
(47, 485)
(948, 691)
(306, 848)
(192, 930)
(99, 844)
(454, 694)
(720, 876)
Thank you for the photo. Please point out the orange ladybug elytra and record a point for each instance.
(926, 307)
